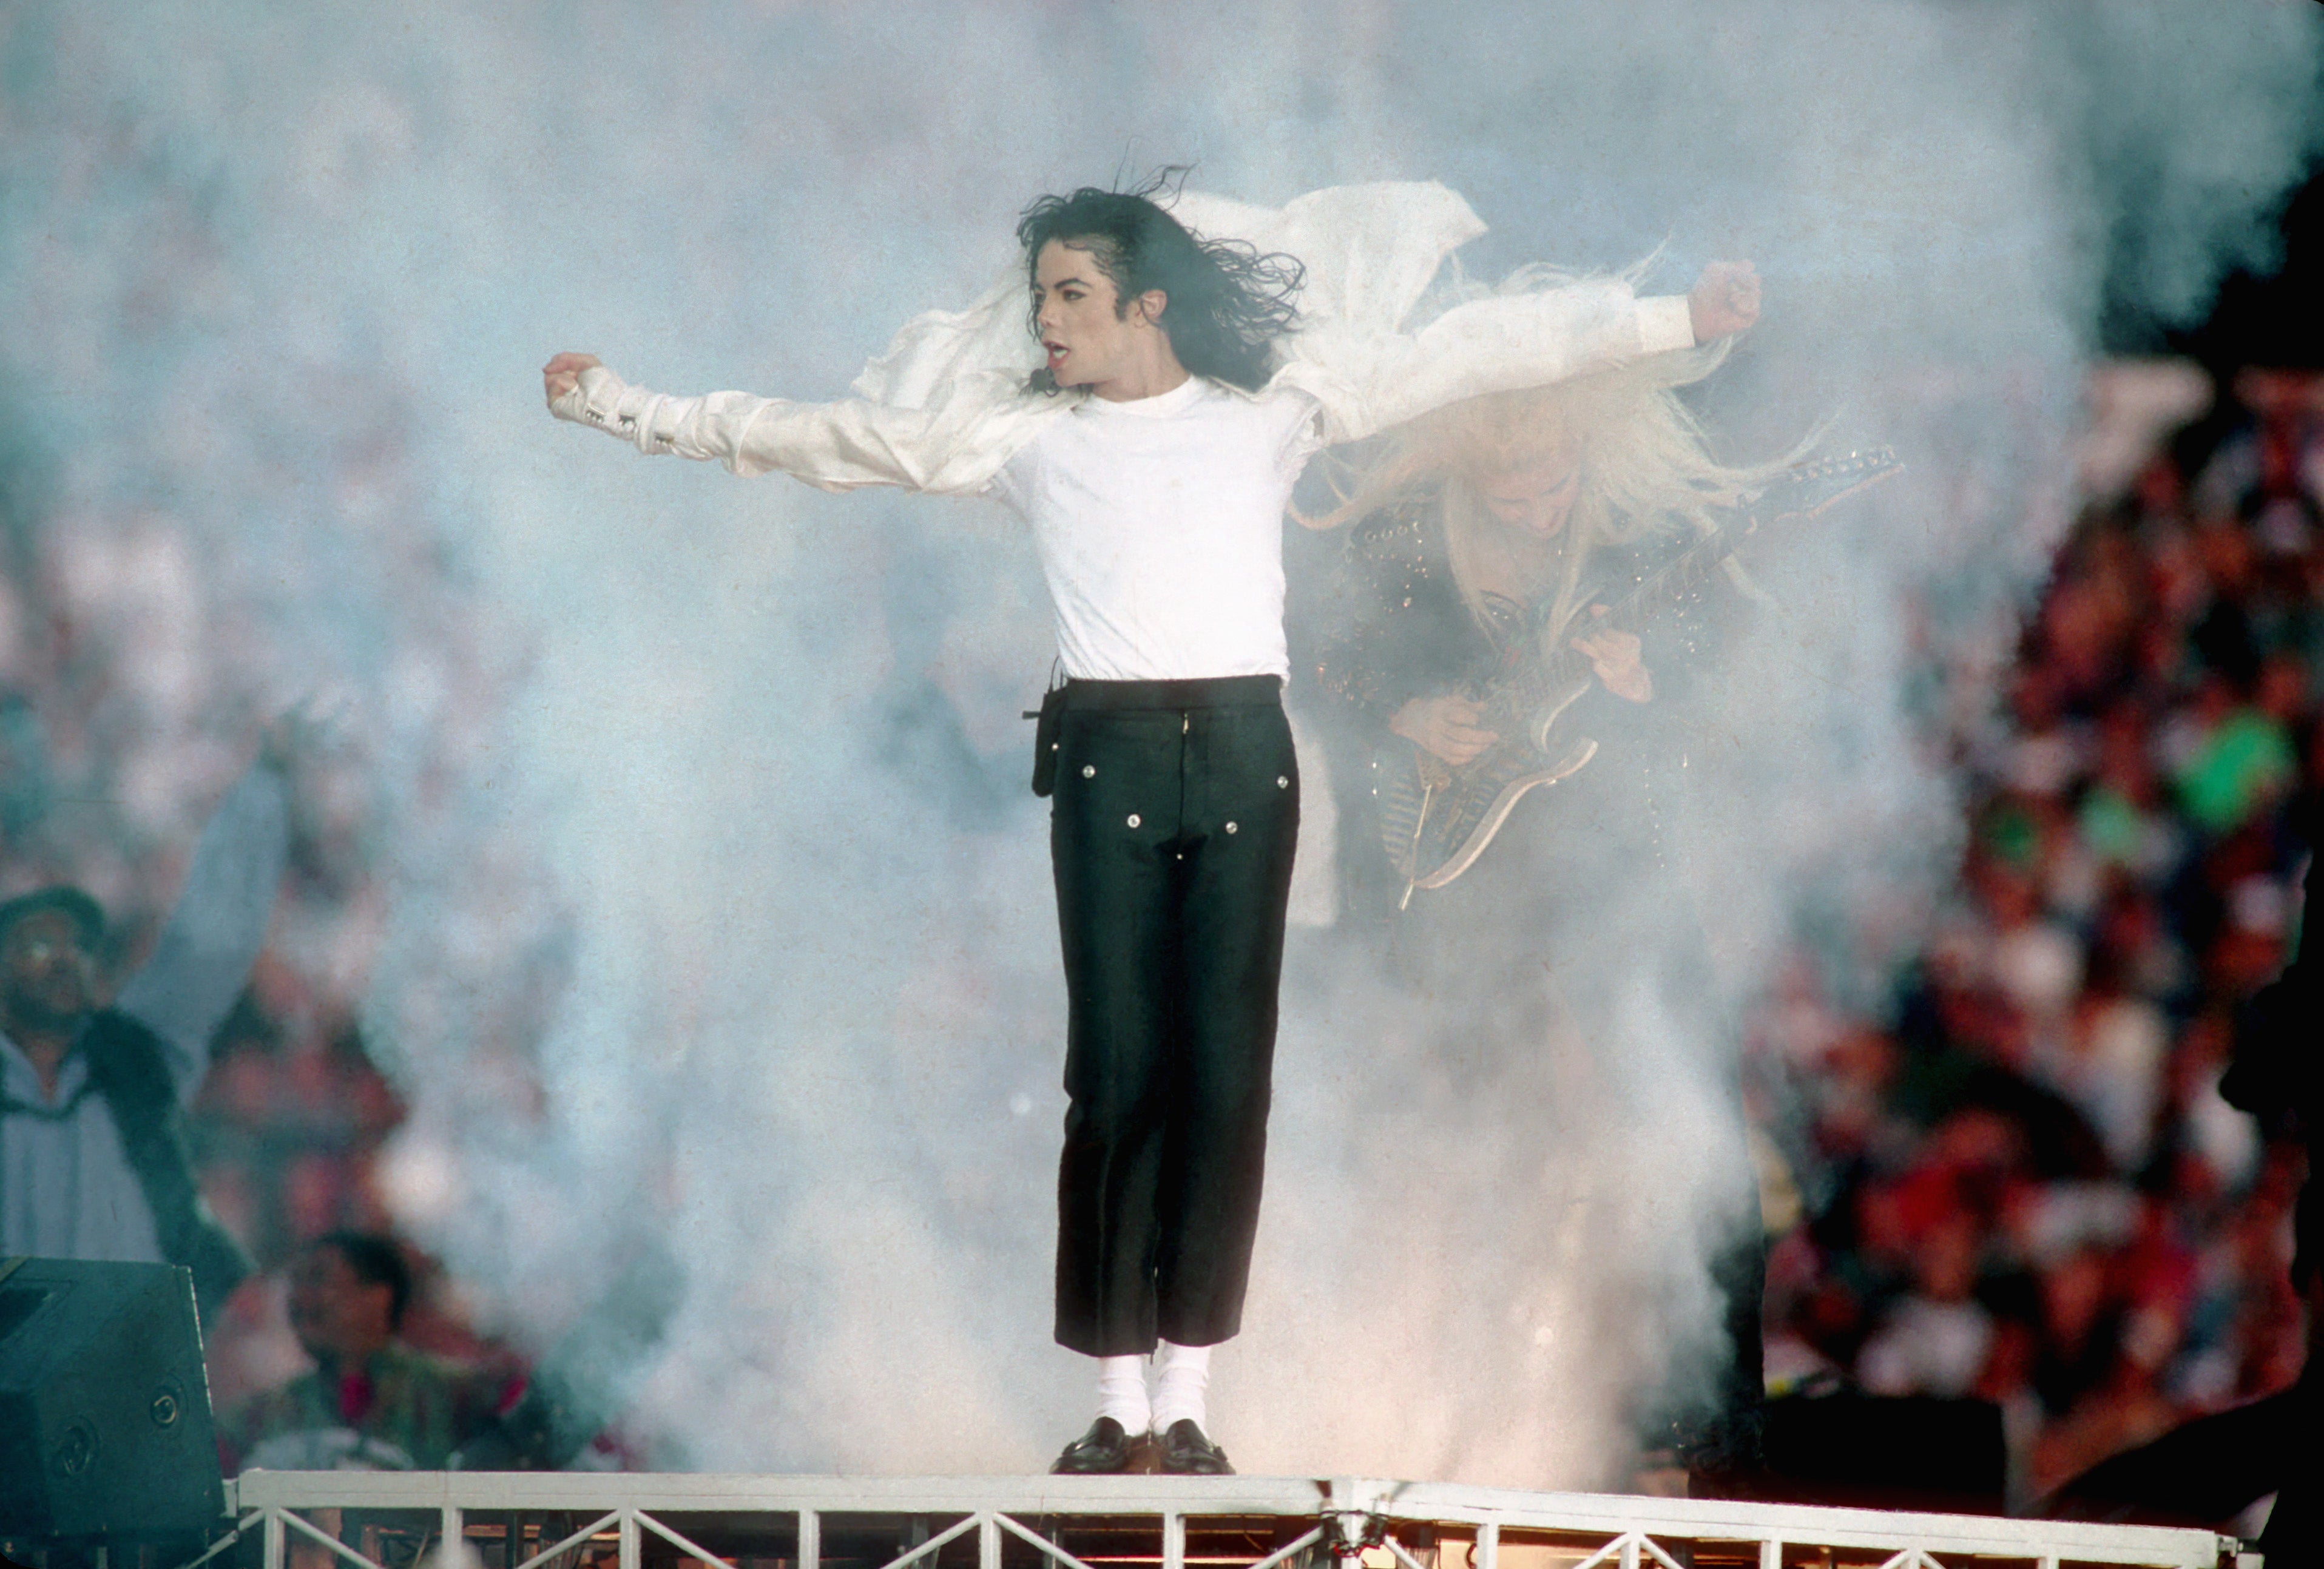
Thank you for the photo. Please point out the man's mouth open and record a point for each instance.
(1056, 354)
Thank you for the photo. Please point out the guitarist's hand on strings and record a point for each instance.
(1445, 727)
(1614, 655)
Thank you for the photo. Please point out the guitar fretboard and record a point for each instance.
(1801, 492)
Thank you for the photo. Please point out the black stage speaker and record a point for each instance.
(1906, 1452)
(105, 1407)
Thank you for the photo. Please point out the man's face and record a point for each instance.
(338, 1316)
(1535, 500)
(1089, 342)
(46, 974)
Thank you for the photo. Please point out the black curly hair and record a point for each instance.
(1227, 302)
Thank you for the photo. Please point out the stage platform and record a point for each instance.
(568, 1520)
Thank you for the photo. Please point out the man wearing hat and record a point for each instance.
(94, 1162)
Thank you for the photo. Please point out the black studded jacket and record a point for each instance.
(1393, 627)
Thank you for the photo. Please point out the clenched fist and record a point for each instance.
(561, 375)
(1725, 299)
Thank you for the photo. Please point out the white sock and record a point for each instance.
(1181, 1393)
(1121, 1392)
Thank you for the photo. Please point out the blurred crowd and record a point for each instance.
(2019, 1183)
(132, 697)
(2015, 1180)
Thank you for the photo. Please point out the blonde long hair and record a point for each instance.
(1646, 466)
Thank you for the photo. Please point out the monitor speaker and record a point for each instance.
(1908, 1452)
(104, 1406)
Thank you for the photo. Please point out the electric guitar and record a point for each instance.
(1437, 818)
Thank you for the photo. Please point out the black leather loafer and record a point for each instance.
(1102, 1451)
(1188, 1451)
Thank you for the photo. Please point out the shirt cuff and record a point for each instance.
(631, 413)
(1665, 323)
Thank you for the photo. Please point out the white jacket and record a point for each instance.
(948, 403)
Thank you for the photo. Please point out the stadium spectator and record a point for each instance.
(369, 1402)
(2030, 1191)
(94, 1158)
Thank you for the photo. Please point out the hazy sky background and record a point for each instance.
(726, 778)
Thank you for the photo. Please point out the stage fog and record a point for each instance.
(710, 935)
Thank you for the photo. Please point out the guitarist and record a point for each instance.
(1498, 532)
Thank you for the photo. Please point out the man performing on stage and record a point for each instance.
(1151, 445)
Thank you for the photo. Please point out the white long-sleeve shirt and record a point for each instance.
(1159, 524)
(67, 1190)
(1159, 521)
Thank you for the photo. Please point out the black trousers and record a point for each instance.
(1172, 826)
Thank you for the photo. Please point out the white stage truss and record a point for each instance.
(568, 1520)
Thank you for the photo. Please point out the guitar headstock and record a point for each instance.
(1808, 489)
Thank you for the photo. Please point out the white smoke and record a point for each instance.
(723, 781)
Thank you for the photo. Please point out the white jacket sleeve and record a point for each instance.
(1365, 382)
(952, 446)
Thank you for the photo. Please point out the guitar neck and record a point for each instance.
(1806, 491)
(1672, 583)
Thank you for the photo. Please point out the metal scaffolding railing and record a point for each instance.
(567, 1520)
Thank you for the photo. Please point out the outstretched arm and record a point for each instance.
(213, 935)
(952, 447)
(1366, 383)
